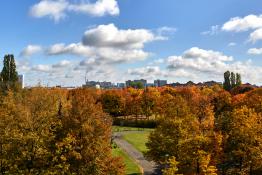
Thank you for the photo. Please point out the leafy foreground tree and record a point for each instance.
(55, 132)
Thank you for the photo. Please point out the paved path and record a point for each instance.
(149, 167)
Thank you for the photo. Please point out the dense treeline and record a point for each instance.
(199, 130)
(53, 131)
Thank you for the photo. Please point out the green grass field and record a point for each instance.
(131, 166)
(138, 140)
(123, 128)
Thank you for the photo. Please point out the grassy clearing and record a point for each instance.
(131, 166)
(123, 128)
(138, 140)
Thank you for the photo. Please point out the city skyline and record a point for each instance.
(60, 42)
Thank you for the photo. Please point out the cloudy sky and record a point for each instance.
(59, 42)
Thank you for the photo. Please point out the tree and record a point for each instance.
(112, 103)
(243, 147)
(238, 79)
(9, 73)
(45, 131)
(232, 80)
(227, 84)
(172, 167)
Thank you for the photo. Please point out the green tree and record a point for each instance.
(9, 73)
(238, 79)
(227, 84)
(232, 80)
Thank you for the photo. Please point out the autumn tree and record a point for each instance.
(243, 148)
(112, 103)
(46, 131)
(90, 130)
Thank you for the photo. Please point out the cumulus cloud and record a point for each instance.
(199, 60)
(30, 50)
(58, 9)
(99, 8)
(54, 9)
(256, 35)
(212, 64)
(108, 44)
(210, 55)
(238, 24)
(110, 36)
(74, 48)
(255, 51)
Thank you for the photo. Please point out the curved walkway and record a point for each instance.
(149, 167)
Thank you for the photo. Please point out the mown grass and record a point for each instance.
(138, 140)
(131, 166)
(123, 128)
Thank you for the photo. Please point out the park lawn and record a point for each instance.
(138, 140)
(131, 166)
(124, 128)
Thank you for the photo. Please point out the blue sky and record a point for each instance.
(59, 42)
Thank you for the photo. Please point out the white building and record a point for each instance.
(21, 80)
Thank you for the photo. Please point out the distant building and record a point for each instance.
(98, 85)
(142, 81)
(120, 85)
(105, 85)
(21, 80)
(160, 83)
(150, 85)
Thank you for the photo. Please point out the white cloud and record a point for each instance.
(255, 51)
(110, 36)
(99, 8)
(210, 55)
(199, 60)
(238, 24)
(213, 64)
(30, 50)
(145, 71)
(213, 31)
(256, 35)
(108, 44)
(74, 48)
(41, 68)
(62, 64)
(148, 72)
(58, 9)
(164, 32)
(232, 44)
(54, 9)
